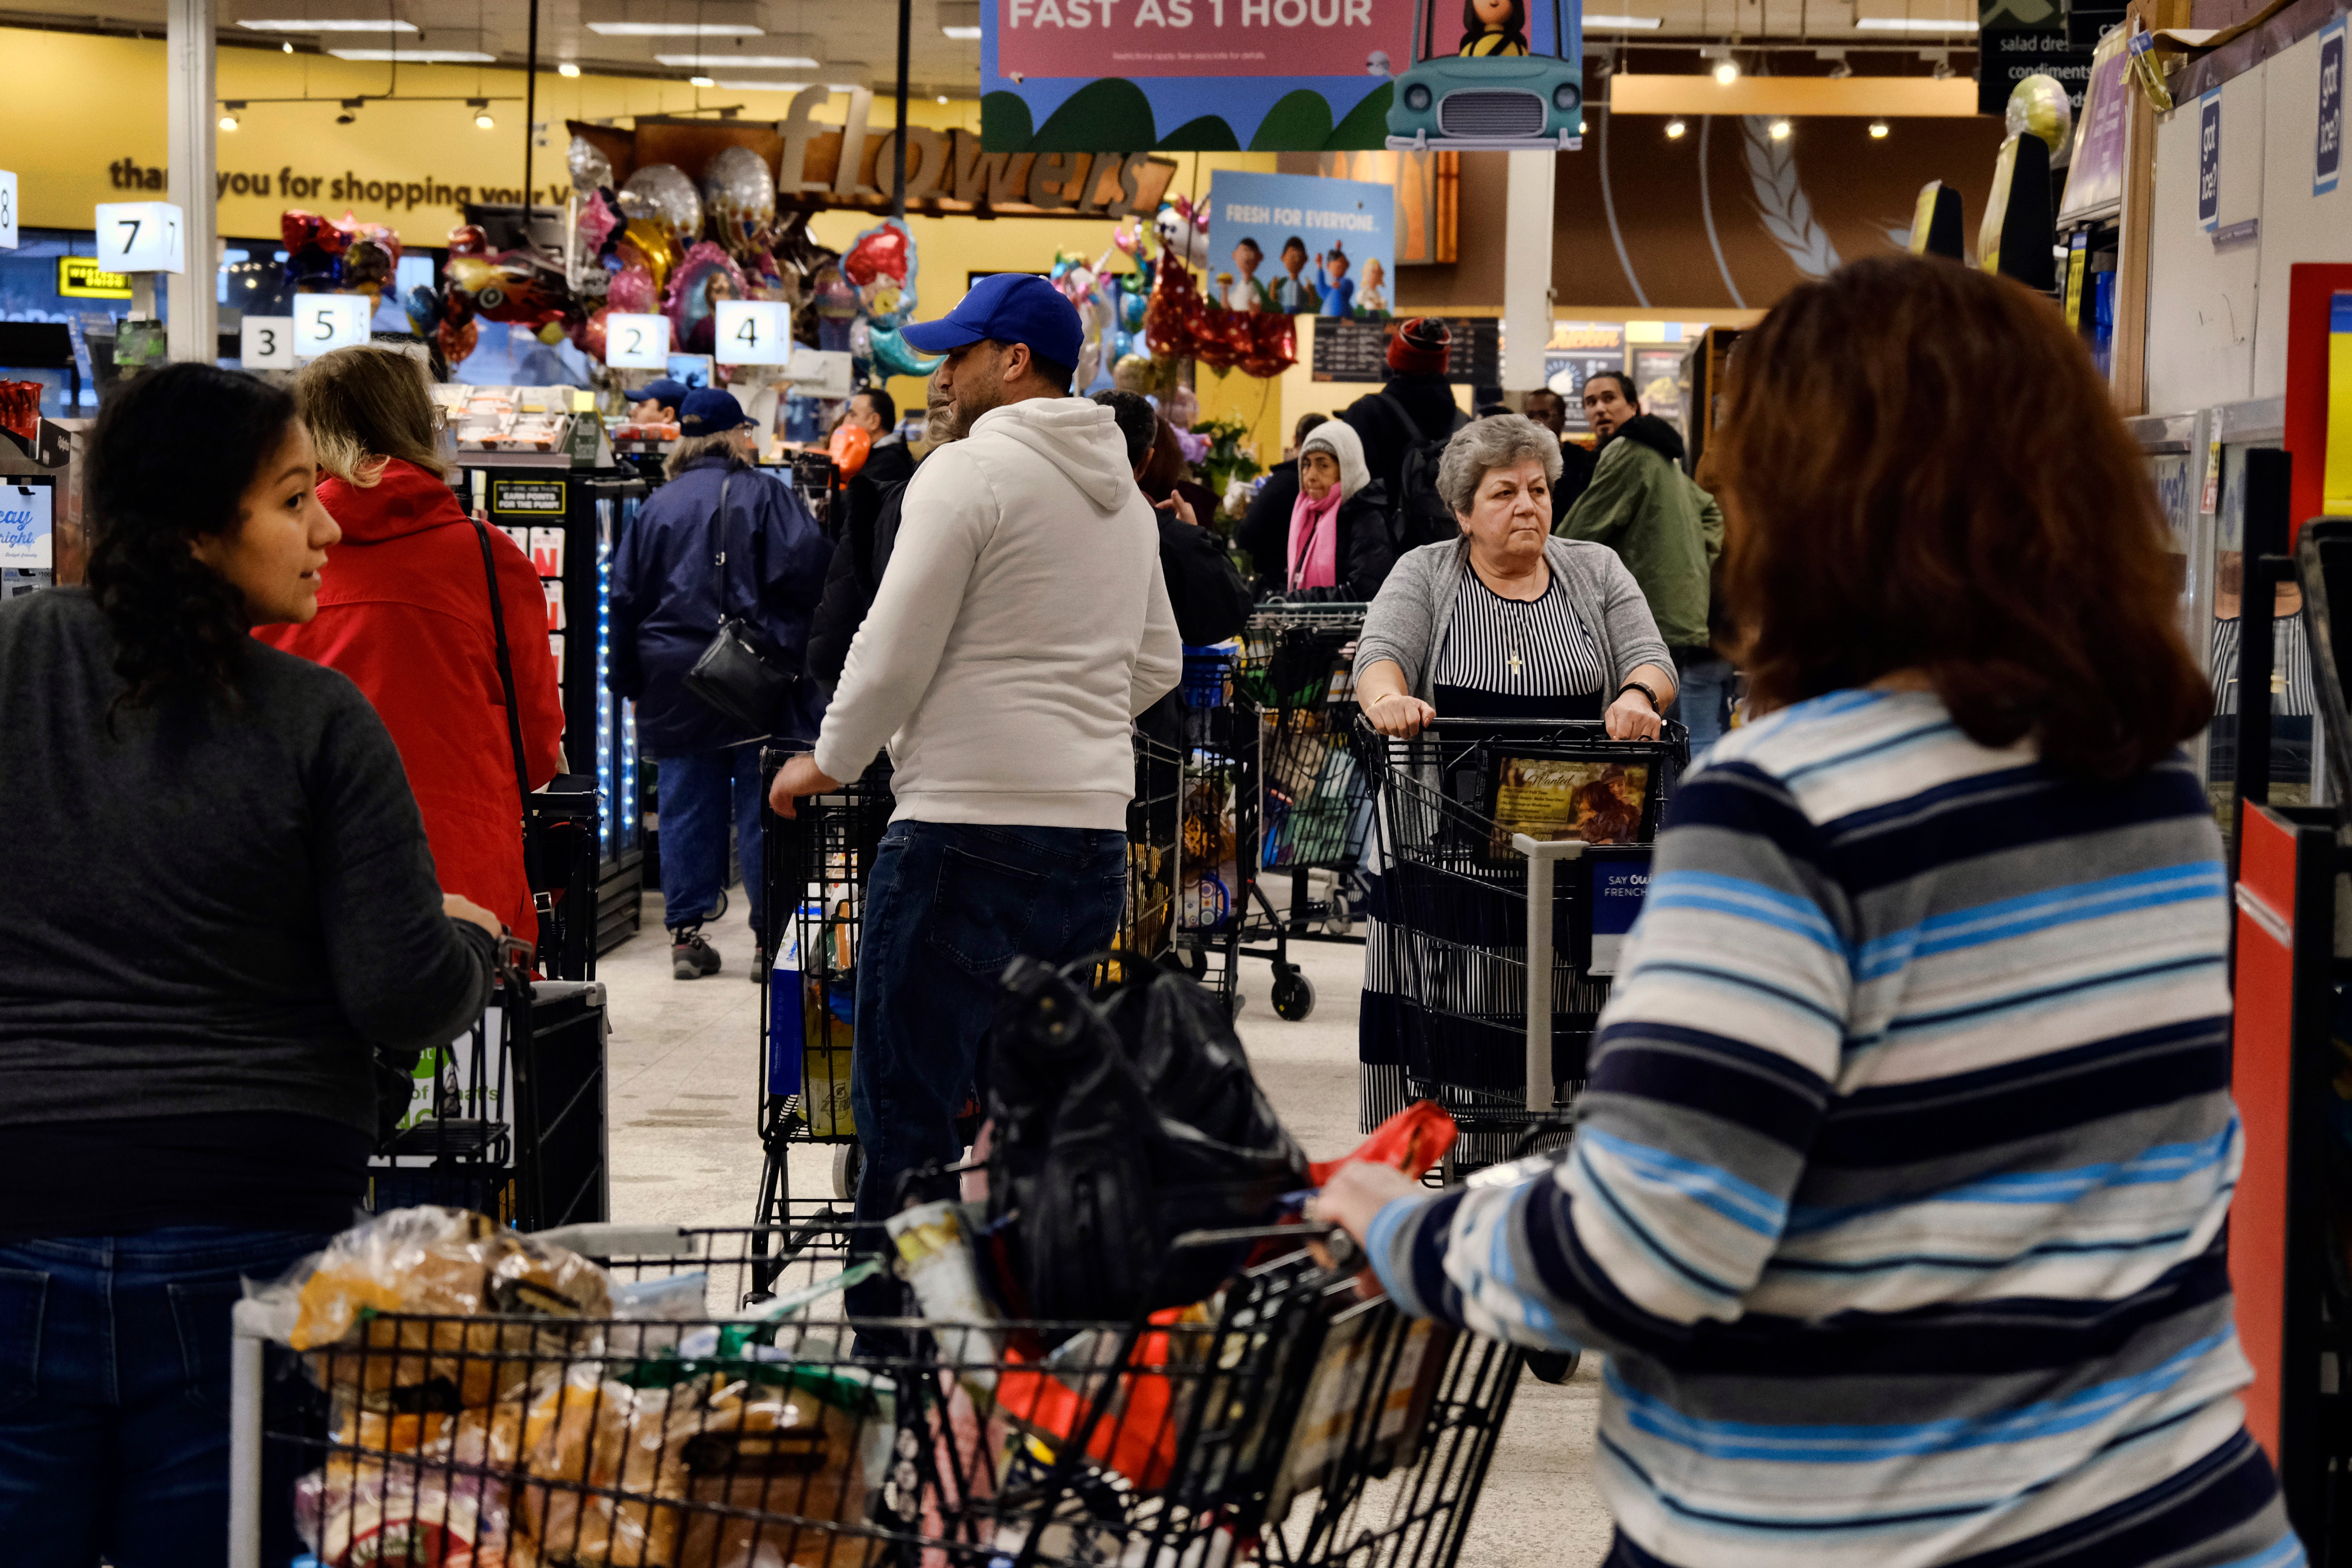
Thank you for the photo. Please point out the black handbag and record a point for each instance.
(738, 676)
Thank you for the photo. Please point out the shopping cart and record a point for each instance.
(1297, 668)
(1218, 818)
(1283, 1422)
(1498, 839)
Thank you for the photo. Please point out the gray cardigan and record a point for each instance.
(1407, 621)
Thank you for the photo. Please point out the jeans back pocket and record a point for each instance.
(983, 910)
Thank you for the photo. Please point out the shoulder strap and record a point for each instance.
(506, 684)
(1394, 401)
(718, 552)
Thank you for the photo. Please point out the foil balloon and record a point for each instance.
(649, 244)
(1183, 410)
(590, 170)
(848, 447)
(456, 340)
(632, 292)
(1183, 232)
(880, 263)
(739, 198)
(663, 191)
(704, 276)
(1135, 372)
(424, 311)
(599, 221)
(588, 337)
(469, 239)
(373, 261)
(893, 356)
(836, 304)
(315, 245)
(2038, 105)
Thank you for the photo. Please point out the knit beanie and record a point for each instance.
(1339, 438)
(1420, 347)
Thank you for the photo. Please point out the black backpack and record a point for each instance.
(1421, 516)
(1120, 1121)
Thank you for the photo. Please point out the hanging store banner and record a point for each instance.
(1302, 244)
(2094, 178)
(1279, 75)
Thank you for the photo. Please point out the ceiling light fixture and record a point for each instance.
(350, 110)
(566, 68)
(1727, 72)
(943, 98)
(763, 62)
(1601, 22)
(732, 85)
(419, 57)
(701, 81)
(481, 108)
(972, 34)
(842, 86)
(287, 48)
(1840, 71)
(675, 29)
(1878, 130)
(1781, 129)
(1674, 129)
(1912, 25)
(227, 120)
(340, 24)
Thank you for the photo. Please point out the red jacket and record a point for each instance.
(404, 612)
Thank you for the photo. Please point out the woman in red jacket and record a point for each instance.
(404, 612)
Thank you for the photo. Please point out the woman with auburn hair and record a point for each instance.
(1898, 1197)
(405, 611)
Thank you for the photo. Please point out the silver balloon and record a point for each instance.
(663, 191)
(739, 194)
(590, 168)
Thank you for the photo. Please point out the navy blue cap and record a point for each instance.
(1010, 307)
(709, 411)
(665, 392)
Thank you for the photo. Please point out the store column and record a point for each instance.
(193, 314)
(1526, 268)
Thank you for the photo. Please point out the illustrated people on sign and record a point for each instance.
(1294, 295)
(1245, 293)
(1338, 288)
(1494, 27)
(1373, 299)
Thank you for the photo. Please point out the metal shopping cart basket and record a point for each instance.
(1217, 816)
(1283, 1422)
(1497, 839)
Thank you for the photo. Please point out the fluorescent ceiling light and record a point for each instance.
(675, 29)
(758, 62)
(1596, 21)
(967, 35)
(1912, 25)
(340, 24)
(732, 86)
(419, 57)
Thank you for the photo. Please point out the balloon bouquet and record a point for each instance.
(339, 255)
(880, 265)
(1184, 323)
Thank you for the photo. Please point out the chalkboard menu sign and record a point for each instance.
(1359, 351)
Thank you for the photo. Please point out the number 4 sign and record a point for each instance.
(752, 332)
(636, 342)
(140, 236)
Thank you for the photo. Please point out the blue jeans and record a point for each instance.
(696, 792)
(1704, 700)
(114, 1387)
(948, 906)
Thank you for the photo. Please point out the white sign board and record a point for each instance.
(325, 322)
(142, 236)
(7, 210)
(752, 332)
(265, 342)
(815, 372)
(27, 526)
(636, 342)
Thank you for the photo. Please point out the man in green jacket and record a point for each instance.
(1667, 531)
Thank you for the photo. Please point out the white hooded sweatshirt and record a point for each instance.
(1022, 622)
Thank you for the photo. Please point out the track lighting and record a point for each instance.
(481, 108)
(1781, 129)
(1674, 129)
(1878, 130)
(1726, 72)
(566, 68)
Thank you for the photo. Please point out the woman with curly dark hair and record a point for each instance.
(219, 906)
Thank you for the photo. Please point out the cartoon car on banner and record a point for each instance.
(1497, 91)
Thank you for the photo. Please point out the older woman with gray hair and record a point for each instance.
(1506, 621)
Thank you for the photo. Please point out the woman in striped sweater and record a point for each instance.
(1897, 1196)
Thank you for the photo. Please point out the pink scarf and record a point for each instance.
(1314, 561)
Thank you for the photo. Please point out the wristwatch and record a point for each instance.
(1655, 706)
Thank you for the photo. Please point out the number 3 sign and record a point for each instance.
(140, 236)
(636, 342)
(751, 331)
(265, 342)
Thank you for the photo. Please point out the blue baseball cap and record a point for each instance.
(710, 411)
(665, 392)
(1010, 307)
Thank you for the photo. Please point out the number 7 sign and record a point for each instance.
(751, 331)
(142, 236)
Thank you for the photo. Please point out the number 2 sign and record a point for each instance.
(142, 236)
(636, 342)
(751, 331)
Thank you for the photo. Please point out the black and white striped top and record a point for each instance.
(2290, 657)
(1537, 651)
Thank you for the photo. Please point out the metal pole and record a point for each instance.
(898, 157)
(530, 116)
(245, 1437)
(193, 331)
(1543, 858)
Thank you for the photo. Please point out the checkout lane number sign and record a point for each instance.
(636, 342)
(325, 322)
(751, 331)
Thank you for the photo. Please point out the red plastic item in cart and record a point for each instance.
(1411, 1141)
(20, 408)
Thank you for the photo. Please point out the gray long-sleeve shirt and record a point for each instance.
(207, 908)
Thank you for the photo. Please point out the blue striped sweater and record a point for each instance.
(1896, 1196)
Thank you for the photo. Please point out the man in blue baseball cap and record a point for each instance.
(657, 401)
(1022, 622)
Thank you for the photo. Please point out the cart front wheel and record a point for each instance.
(1294, 997)
(1554, 1366)
(848, 1165)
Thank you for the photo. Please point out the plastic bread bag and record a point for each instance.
(442, 1263)
(936, 1260)
(790, 1451)
(581, 1438)
(355, 1512)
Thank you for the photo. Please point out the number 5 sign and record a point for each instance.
(140, 236)
(752, 332)
(325, 322)
(636, 342)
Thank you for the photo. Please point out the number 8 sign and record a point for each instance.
(636, 342)
(751, 331)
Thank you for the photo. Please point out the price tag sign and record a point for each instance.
(636, 342)
(265, 342)
(142, 236)
(752, 332)
(7, 210)
(325, 322)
